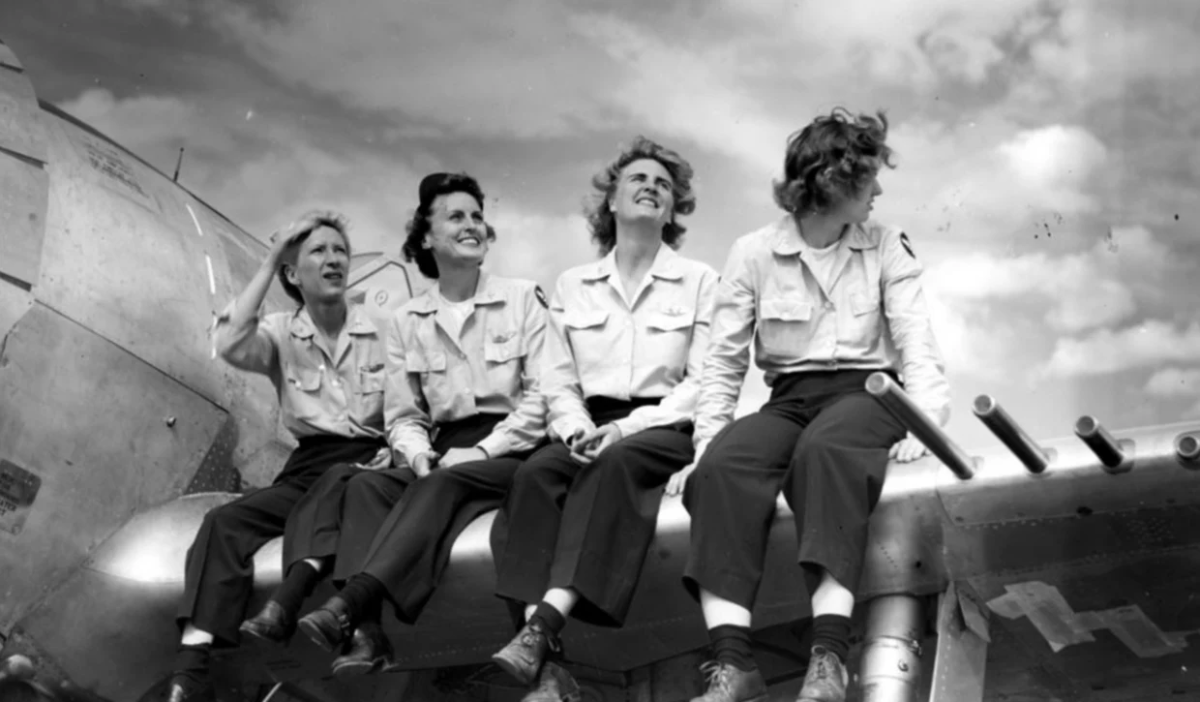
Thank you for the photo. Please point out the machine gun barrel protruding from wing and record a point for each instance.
(916, 421)
(1011, 434)
(1102, 444)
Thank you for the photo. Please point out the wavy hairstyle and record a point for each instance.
(335, 223)
(602, 222)
(431, 188)
(832, 159)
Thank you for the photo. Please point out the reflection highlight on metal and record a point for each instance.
(1011, 434)
(901, 405)
(1102, 444)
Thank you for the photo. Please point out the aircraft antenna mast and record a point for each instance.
(178, 163)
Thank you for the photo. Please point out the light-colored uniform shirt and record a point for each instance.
(870, 315)
(319, 394)
(490, 367)
(650, 345)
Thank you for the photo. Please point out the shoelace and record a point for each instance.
(715, 673)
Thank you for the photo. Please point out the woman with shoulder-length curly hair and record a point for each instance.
(827, 296)
(622, 362)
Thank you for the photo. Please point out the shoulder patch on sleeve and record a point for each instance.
(541, 296)
(907, 244)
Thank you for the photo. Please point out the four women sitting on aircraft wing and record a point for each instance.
(326, 361)
(621, 375)
(827, 297)
(462, 406)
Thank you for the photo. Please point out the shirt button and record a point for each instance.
(829, 305)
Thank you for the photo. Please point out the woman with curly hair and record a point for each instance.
(462, 408)
(827, 297)
(623, 359)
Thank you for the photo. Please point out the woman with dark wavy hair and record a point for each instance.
(826, 296)
(463, 409)
(627, 338)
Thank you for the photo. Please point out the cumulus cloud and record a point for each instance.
(1080, 291)
(1106, 351)
(1175, 382)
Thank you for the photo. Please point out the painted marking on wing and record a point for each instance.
(1061, 626)
(194, 220)
(212, 282)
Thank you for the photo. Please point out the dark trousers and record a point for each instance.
(366, 498)
(824, 441)
(219, 571)
(412, 548)
(588, 528)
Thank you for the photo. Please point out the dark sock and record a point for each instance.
(731, 644)
(364, 598)
(296, 587)
(516, 612)
(550, 619)
(192, 660)
(832, 632)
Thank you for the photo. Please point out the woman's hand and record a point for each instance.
(907, 449)
(678, 481)
(424, 463)
(588, 447)
(382, 459)
(282, 238)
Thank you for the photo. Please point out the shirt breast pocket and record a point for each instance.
(585, 329)
(304, 391)
(864, 324)
(505, 362)
(785, 326)
(669, 336)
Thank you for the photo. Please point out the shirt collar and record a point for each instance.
(487, 292)
(357, 322)
(786, 240)
(665, 266)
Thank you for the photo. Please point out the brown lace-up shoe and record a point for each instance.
(191, 687)
(523, 656)
(728, 683)
(826, 679)
(554, 684)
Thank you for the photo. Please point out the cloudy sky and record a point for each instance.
(1047, 171)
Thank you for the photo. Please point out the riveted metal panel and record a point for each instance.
(94, 424)
(23, 194)
(20, 117)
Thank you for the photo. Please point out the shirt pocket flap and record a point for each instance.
(306, 379)
(417, 362)
(584, 319)
(499, 352)
(373, 381)
(863, 304)
(670, 322)
(786, 310)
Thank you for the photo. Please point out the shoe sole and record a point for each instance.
(260, 636)
(357, 668)
(505, 665)
(317, 635)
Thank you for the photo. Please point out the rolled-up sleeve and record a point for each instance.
(560, 378)
(252, 346)
(922, 365)
(405, 411)
(728, 355)
(525, 426)
(680, 403)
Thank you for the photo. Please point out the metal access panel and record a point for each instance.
(105, 434)
(20, 126)
(23, 191)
